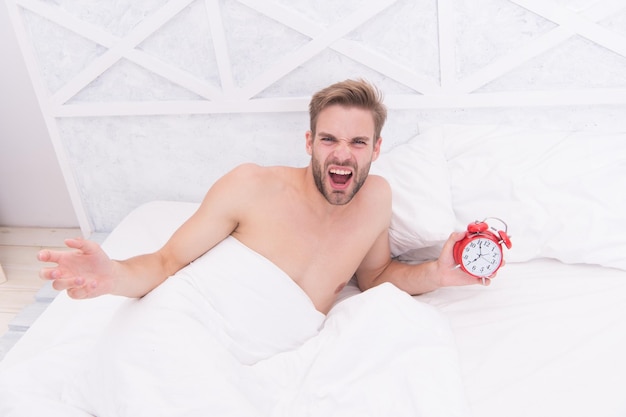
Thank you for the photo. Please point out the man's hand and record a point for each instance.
(450, 275)
(85, 272)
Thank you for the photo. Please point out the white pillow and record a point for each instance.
(417, 173)
(561, 193)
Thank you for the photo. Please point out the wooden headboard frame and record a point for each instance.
(448, 92)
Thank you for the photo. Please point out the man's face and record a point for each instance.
(341, 151)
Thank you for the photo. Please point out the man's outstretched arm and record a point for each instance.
(86, 271)
(379, 267)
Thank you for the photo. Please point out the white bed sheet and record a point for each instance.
(545, 339)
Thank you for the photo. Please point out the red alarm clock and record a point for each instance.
(479, 253)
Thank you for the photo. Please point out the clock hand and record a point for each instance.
(474, 260)
(487, 253)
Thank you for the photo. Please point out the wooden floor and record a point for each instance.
(18, 257)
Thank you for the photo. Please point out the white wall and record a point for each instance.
(155, 99)
(32, 190)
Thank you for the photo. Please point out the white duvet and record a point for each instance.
(545, 339)
(232, 335)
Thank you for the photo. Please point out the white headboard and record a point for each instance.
(155, 99)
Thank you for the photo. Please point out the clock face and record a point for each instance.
(481, 257)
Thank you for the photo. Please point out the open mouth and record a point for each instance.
(340, 177)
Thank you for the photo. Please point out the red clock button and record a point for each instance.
(505, 239)
(477, 227)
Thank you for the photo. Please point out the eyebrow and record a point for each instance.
(328, 135)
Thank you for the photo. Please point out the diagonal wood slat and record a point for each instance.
(319, 42)
(138, 34)
(583, 23)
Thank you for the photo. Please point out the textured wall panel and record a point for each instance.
(155, 99)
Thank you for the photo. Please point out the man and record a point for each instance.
(321, 224)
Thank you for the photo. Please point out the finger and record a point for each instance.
(46, 255)
(456, 236)
(77, 293)
(51, 256)
(452, 239)
(49, 273)
(75, 243)
(53, 273)
(84, 291)
(83, 245)
(61, 284)
(446, 256)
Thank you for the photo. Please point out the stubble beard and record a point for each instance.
(338, 197)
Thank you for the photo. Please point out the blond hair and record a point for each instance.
(350, 93)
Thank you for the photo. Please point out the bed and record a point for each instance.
(546, 338)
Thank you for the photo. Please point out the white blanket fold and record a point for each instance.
(233, 335)
(380, 353)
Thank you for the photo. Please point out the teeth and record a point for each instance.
(340, 172)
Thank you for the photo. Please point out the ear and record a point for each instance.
(309, 142)
(376, 153)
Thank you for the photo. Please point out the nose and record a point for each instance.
(342, 150)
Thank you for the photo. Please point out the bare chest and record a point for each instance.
(320, 255)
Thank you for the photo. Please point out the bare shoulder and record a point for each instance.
(374, 198)
(380, 183)
(233, 187)
(249, 181)
(377, 188)
(251, 171)
(247, 176)
(245, 172)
